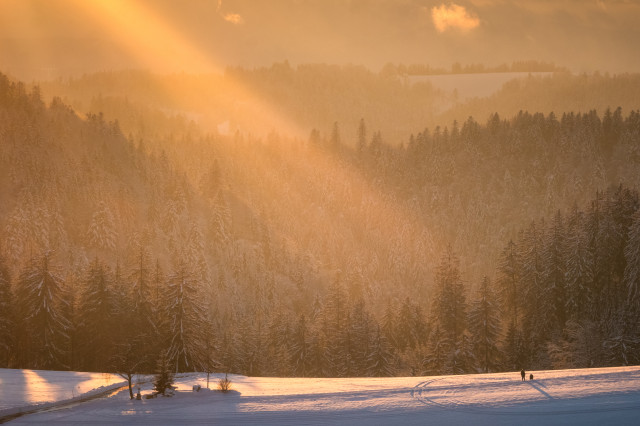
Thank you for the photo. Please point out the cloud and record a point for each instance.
(234, 18)
(453, 16)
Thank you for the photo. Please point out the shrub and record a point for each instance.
(224, 385)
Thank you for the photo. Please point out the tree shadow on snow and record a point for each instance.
(538, 387)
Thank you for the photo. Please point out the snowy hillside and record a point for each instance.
(588, 396)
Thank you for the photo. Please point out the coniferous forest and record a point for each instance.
(483, 239)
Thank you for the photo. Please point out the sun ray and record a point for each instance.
(152, 42)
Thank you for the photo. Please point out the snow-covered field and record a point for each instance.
(589, 396)
(23, 390)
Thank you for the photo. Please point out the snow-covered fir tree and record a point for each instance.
(102, 232)
(515, 354)
(142, 311)
(579, 276)
(553, 313)
(97, 314)
(300, 349)
(439, 349)
(380, 359)
(530, 247)
(484, 326)
(510, 288)
(186, 319)
(632, 257)
(42, 328)
(449, 306)
(336, 329)
(6, 314)
(164, 377)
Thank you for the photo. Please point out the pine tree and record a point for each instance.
(96, 317)
(597, 255)
(102, 233)
(195, 253)
(141, 310)
(581, 346)
(40, 305)
(403, 331)
(300, 349)
(410, 327)
(375, 148)
(579, 277)
(278, 342)
(317, 360)
(620, 206)
(380, 356)
(484, 325)
(157, 286)
(164, 376)
(449, 306)
(632, 257)
(389, 325)
(554, 287)
(462, 359)
(186, 318)
(511, 293)
(362, 137)
(362, 327)
(336, 330)
(514, 349)
(535, 319)
(622, 339)
(17, 233)
(439, 349)
(7, 325)
(212, 180)
(70, 311)
(335, 140)
(220, 222)
(210, 361)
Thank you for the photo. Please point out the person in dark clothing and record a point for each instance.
(522, 375)
(530, 376)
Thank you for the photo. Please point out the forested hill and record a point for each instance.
(76, 186)
(250, 100)
(287, 256)
(317, 95)
(474, 184)
(578, 273)
(558, 92)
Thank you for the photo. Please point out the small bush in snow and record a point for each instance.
(164, 378)
(224, 385)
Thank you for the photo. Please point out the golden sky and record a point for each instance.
(60, 37)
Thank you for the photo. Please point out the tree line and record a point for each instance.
(565, 296)
(270, 228)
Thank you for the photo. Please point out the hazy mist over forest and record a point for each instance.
(321, 187)
(40, 38)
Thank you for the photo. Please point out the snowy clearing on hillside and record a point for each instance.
(588, 396)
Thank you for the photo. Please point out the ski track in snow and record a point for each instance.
(447, 392)
(589, 396)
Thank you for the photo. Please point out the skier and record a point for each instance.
(522, 374)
